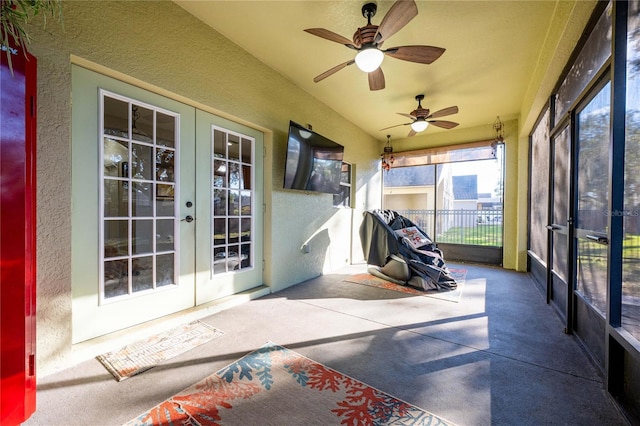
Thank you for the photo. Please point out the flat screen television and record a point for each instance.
(314, 163)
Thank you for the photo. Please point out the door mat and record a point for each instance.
(144, 354)
(277, 386)
(449, 295)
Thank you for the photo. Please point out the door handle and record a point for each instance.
(553, 227)
(598, 239)
(188, 219)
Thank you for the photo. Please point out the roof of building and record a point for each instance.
(465, 187)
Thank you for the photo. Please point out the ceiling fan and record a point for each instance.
(367, 41)
(421, 118)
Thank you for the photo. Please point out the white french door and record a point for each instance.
(147, 239)
(229, 209)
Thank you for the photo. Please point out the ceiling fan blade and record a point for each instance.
(406, 115)
(399, 15)
(376, 79)
(444, 124)
(331, 36)
(411, 133)
(419, 54)
(397, 125)
(444, 111)
(333, 70)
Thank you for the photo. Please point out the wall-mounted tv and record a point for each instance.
(313, 162)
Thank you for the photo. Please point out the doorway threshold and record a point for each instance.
(91, 348)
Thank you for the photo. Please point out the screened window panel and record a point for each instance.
(483, 150)
(540, 187)
(593, 161)
(590, 60)
(631, 247)
(591, 274)
(450, 201)
(560, 207)
(593, 123)
(561, 153)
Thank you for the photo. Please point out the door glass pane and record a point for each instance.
(116, 278)
(165, 269)
(539, 188)
(631, 248)
(164, 165)
(116, 117)
(116, 238)
(139, 148)
(142, 273)
(142, 123)
(234, 175)
(141, 199)
(247, 151)
(142, 231)
(165, 130)
(560, 206)
(245, 202)
(233, 147)
(232, 184)
(164, 235)
(593, 198)
(141, 164)
(115, 203)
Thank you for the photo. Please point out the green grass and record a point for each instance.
(481, 235)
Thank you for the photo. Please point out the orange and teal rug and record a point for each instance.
(458, 274)
(277, 386)
(144, 354)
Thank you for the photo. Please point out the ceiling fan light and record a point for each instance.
(419, 125)
(369, 60)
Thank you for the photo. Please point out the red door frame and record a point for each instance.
(17, 236)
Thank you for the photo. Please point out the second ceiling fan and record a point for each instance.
(422, 117)
(367, 41)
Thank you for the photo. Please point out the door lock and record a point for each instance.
(188, 219)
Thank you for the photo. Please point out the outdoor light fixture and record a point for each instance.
(387, 155)
(304, 133)
(419, 125)
(369, 59)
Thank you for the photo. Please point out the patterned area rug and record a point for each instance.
(145, 354)
(451, 296)
(277, 386)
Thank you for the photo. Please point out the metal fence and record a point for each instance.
(470, 227)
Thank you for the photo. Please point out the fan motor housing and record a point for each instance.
(420, 112)
(365, 35)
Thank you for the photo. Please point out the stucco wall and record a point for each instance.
(160, 47)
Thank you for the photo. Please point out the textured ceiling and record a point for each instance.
(492, 49)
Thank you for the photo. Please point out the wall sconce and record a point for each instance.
(387, 155)
(499, 128)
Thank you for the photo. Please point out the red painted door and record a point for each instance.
(17, 237)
